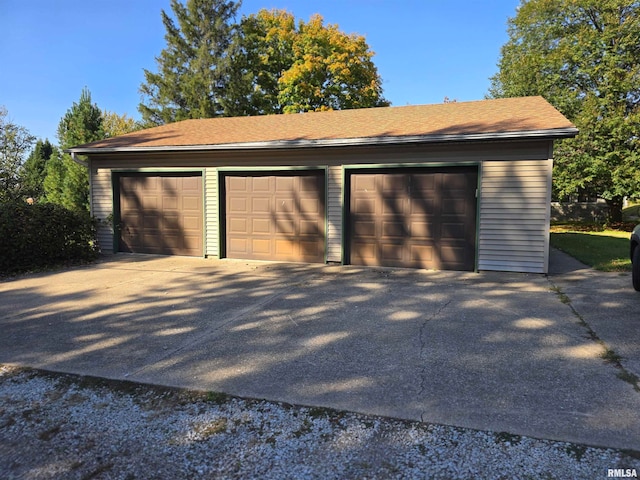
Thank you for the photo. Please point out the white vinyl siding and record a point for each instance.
(334, 214)
(102, 207)
(514, 216)
(212, 213)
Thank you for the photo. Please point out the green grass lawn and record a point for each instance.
(607, 250)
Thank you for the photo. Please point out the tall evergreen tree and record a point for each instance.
(584, 57)
(193, 69)
(34, 170)
(67, 182)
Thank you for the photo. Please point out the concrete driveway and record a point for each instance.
(489, 351)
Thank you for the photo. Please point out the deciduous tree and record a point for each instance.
(284, 66)
(584, 57)
(331, 70)
(114, 124)
(262, 51)
(15, 143)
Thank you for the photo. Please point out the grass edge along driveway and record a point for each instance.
(606, 250)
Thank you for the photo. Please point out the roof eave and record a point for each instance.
(339, 142)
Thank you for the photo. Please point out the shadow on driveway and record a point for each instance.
(488, 351)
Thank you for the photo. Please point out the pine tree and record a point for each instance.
(34, 170)
(67, 183)
(193, 69)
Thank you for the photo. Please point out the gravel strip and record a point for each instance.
(56, 426)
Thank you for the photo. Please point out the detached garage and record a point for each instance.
(458, 186)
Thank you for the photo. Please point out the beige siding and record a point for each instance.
(514, 216)
(102, 206)
(212, 229)
(334, 214)
(514, 194)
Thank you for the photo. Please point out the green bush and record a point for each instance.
(41, 235)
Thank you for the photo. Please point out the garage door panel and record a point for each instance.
(258, 226)
(364, 253)
(364, 184)
(417, 217)
(158, 216)
(191, 224)
(237, 184)
(169, 184)
(285, 212)
(310, 206)
(422, 255)
(365, 229)
(238, 205)
(453, 231)
(191, 184)
(310, 185)
(238, 246)
(169, 203)
(150, 202)
(364, 205)
(393, 206)
(283, 184)
(260, 204)
(422, 206)
(450, 256)
(285, 247)
(394, 183)
(285, 227)
(192, 242)
(152, 241)
(171, 241)
(392, 254)
(393, 229)
(284, 205)
(148, 184)
(310, 227)
(238, 225)
(310, 249)
(456, 206)
(420, 230)
(193, 203)
(261, 246)
(423, 183)
(151, 220)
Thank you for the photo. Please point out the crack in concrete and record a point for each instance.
(609, 355)
(423, 348)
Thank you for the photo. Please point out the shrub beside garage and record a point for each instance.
(42, 235)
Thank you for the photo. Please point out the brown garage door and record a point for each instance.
(420, 218)
(161, 214)
(275, 217)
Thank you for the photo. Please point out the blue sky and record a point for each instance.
(51, 49)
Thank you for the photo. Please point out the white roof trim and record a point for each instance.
(339, 142)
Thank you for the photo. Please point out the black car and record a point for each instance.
(635, 257)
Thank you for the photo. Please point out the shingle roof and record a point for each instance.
(498, 118)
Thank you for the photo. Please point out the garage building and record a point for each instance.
(456, 186)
